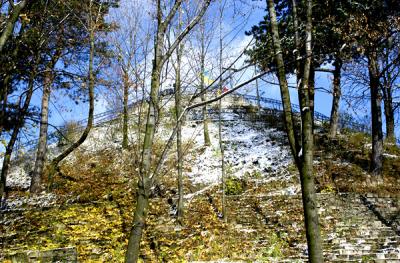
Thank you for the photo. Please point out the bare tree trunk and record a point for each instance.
(221, 146)
(5, 90)
(287, 108)
(144, 183)
(207, 141)
(221, 143)
(14, 135)
(42, 142)
(388, 107)
(306, 173)
(389, 118)
(53, 168)
(178, 108)
(146, 178)
(303, 157)
(311, 92)
(376, 115)
(125, 112)
(10, 23)
(258, 95)
(337, 91)
(44, 116)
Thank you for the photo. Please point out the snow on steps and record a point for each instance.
(351, 231)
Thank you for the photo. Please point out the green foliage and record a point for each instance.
(277, 245)
(234, 186)
(358, 140)
(328, 188)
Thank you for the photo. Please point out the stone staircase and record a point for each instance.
(354, 228)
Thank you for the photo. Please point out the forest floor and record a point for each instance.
(92, 201)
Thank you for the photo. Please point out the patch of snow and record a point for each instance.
(390, 155)
(42, 200)
(18, 178)
(250, 149)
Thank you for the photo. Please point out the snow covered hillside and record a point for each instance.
(251, 149)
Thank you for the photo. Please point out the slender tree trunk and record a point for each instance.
(3, 111)
(125, 112)
(146, 178)
(258, 95)
(304, 157)
(178, 108)
(221, 146)
(221, 143)
(207, 141)
(306, 98)
(139, 219)
(311, 92)
(55, 162)
(389, 118)
(376, 115)
(179, 146)
(389, 110)
(14, 135)
(337, 91)
(287, 108)
(42, 142)
(10, 23)
(144, 182)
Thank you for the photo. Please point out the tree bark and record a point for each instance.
(388, 107)
(139, 220)
(221, 142)
(5, 90)
(258, 95)
(144, 182)
(285, 95)
(206, 134)
(304, 157)
(389, 118)
(14, 135)
(178, 108)
(41, 152)
(42, 142)
(146, 179)
(53, 168)
(311, 92)
(376, 115)
(337, 91)
(125, 112)
(306, 97)
(10, 23)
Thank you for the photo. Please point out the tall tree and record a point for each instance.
(146, 178)
(12, 18)
(302, 151)
(390, 76)
(368, 29)
(22, 112)
(64, 34)
(178, 112)
(202, 28)
(336, 94)
(95, 23)
(222, 4)
(44, 116)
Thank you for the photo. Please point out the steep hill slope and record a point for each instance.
(90, 209)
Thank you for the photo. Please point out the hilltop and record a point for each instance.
(91, 204)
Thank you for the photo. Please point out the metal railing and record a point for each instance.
(267, 104)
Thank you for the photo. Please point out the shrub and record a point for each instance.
(234, 186)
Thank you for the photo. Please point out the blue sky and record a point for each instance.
(64, 109)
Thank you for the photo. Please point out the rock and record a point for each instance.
(66, 254)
